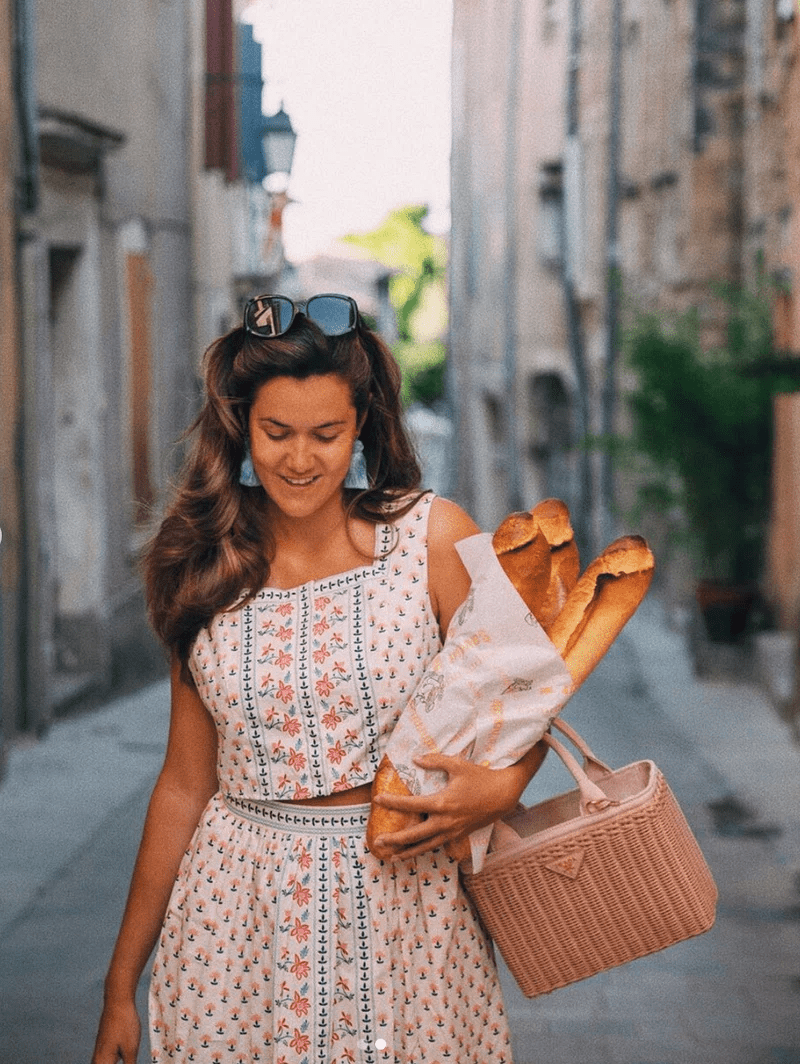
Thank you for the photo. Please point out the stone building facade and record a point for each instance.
(773, 228)
(10, 499)
(507, 338)
(124, 246)
(106, 350)
(608, 151)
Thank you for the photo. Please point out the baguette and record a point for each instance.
(538, 554)
(552, 516)
(601, 603)
(524, 554)
(381, 820)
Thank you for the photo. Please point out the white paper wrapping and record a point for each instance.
(490, 693)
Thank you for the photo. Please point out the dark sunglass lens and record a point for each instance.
(335, 315)
(270, 315)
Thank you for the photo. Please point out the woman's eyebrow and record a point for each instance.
(282, 425)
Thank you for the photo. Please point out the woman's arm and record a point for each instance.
(474, 795)
(448, 580)
(186, 782)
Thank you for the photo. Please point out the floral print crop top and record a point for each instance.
(305, 685)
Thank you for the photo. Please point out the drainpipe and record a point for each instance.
(613, 273)
(510, 267)
(25, 93)
(30, 658)
(581, 513)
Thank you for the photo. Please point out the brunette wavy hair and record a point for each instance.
(213, 543)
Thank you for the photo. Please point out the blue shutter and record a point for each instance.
(250, 117)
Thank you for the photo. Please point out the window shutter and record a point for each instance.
(221, 148)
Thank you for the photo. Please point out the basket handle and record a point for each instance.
(594, 768)
(593, 799)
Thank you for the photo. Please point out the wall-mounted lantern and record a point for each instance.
(278, 138)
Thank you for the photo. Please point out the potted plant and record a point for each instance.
(702, 428)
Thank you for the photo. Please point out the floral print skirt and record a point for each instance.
(286, 941)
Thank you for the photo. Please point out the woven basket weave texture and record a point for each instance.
(610, 889)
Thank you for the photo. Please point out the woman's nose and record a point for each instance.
(300, 457)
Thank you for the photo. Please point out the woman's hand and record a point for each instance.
(474, 797)
(118, 1035)
(186, 782)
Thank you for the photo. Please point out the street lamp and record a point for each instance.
(278, 138)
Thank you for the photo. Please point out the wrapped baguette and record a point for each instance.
(581, 615)
(527, 545)
(384, 821)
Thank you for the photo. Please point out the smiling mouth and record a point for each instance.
(299, 482)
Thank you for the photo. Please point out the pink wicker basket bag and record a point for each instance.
(592, 878)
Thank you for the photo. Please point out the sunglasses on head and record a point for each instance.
(269, 316)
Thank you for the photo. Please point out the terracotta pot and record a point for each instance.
(725, 608)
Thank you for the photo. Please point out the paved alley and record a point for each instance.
(72, 807)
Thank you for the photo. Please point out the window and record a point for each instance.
(551, 437)
(551, 210)
(783, 319)
(550, 411)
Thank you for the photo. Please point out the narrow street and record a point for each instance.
(731, 996)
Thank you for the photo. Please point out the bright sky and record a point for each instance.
(366, 84)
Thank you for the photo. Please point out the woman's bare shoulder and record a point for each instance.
(448, 524)
(448, 580)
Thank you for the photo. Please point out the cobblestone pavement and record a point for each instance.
(72, 805)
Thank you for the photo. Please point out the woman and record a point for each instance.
(303, 583)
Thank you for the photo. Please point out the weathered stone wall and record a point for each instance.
(10, 504)
(709, 179)
(773, 235)
(105, 274)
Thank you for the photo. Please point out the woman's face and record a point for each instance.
(301, 440)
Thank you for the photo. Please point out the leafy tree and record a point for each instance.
(702, 422)
(417, 291)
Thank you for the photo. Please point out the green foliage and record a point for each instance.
(423, 366)
(428, 384)
(417, 293)
(702, 422)
(419, 257)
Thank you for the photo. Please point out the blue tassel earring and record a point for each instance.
(247, 474)
(357, 472)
